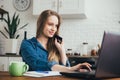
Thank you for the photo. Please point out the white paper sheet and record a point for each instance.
(41, 73)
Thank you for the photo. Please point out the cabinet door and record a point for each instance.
(71, 7)
(3, 63)
(41, 5)
(14, 59)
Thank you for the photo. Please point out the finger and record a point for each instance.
(87, 64)
(83, 70)
(56, 41)
(89, 68)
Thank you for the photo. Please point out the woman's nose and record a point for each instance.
(54, 28)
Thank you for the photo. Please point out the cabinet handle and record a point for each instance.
(60, 3)
(54, 4)
(2, 67)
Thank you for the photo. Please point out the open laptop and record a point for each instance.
(108, 64)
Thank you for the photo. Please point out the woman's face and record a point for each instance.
(50, 26)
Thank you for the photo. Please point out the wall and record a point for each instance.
(101, 15)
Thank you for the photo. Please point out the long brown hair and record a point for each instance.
(52, 50)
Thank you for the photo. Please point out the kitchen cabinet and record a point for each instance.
(41, 5)
(14, 59)
(5, 61)
(66, 8)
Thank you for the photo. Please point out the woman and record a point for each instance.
(44, 52)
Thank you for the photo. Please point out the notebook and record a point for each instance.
(108, 64)
(41, 73)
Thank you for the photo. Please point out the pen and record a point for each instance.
(42, 71)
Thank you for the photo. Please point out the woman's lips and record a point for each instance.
(51, 33)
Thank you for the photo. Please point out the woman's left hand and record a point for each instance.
(61, 49)
(59, 46)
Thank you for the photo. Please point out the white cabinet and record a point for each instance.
(5, 61)
(13, 59)
(66, 8)
(72, 8)
(40, 5)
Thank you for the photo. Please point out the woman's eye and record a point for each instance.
(50, 24)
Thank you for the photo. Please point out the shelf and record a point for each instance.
(77, 56)
(10, 56)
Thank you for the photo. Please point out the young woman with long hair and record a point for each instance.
(44, 52)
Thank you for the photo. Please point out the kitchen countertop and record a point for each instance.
(10, 55)
(82, 56)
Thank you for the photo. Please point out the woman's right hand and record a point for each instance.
(82, 67)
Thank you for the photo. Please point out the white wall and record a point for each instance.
(101, 15)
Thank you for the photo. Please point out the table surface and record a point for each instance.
(6, 76)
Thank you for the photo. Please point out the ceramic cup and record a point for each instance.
(17, 68)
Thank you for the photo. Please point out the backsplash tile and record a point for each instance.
(100, 16)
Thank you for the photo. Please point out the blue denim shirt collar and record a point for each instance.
(35, 42)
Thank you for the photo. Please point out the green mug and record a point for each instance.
(18, 68)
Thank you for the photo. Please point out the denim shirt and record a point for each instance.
(34, 54)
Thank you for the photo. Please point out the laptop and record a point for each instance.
(108, 64)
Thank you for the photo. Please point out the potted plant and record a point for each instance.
(11, 29)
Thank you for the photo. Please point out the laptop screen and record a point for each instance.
(108, 62)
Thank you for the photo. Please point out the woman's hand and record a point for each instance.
(59, 46)
(61, 50)
(82, 67)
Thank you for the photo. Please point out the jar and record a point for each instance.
(84, 49)
(69, 52)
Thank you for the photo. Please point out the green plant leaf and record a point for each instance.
(8, 20)
(18, 22)
(6, 30)
(3, 34)
(23, 26)
(4, 20)
(17, 36)
(12, 24)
